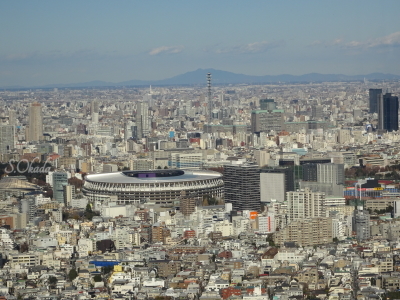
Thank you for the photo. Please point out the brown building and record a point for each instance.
(7, 221)
(188, 234)
(188, 206)
(158, 233)
(165, 268)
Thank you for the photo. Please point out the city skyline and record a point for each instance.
(52, 43)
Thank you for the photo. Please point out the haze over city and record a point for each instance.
(61, 42)
(202, 150)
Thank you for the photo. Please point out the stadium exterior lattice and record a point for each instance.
(158, 186)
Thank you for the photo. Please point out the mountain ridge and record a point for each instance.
(198, 77)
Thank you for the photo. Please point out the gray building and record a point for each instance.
(267, 120)
(267, 104)
(242, 186)
(7, 138)
(275, 182)
(361, 224)
(142, 119)
(330, 173)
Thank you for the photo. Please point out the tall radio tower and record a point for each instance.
(209, 98)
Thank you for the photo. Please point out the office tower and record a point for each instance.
(7, 138)
(242, 186)
(361, 224)
(267, 104)
(275, 182)
(388, 112)
(309, 172)
(60, 179)
(142, 120)
(35, 131)
(94, 110)
(330, 173)
(266, 120)
(305, 204)
(12, 117)
(374, 95)
(69, 194)
(317, 112)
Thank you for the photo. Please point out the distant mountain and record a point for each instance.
(198, 77)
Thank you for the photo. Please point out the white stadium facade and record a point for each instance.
(157, 186)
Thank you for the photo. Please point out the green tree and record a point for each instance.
(52, 281)
(88, 208)
(72, 274)
(97, 278)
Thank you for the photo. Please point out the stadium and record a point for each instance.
(157, 186)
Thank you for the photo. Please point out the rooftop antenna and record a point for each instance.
(209, 98)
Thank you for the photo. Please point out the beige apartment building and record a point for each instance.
(306, 232)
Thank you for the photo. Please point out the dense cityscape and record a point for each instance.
(256, 192)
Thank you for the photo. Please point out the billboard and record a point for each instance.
(253, 215)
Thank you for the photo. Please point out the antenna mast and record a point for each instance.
(209, 98)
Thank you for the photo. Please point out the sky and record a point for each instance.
(50, 42)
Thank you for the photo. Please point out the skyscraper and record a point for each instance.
(330, 173)
(12, 117)
(361, 224)
(60, 179)
(373, 100)
(94, 109)
(35, 130)
(7, 138)
(242, 186)
(142, 119)
(388, 112)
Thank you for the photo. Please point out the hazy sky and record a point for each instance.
(43, 42)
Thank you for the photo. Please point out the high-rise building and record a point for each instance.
(60, 179)
(7, 138)
(267, 120)
(12, 117)
(309, 172)
(330, 173)
(388, 112)
(267, 104)
(69, 194)
(187, 205)
(275, 182)
(94, 110)
(317, 112)
(305, 204)
(361, 224)
(242, 186)
(35, 130)
(142, 119)
(374, 95)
